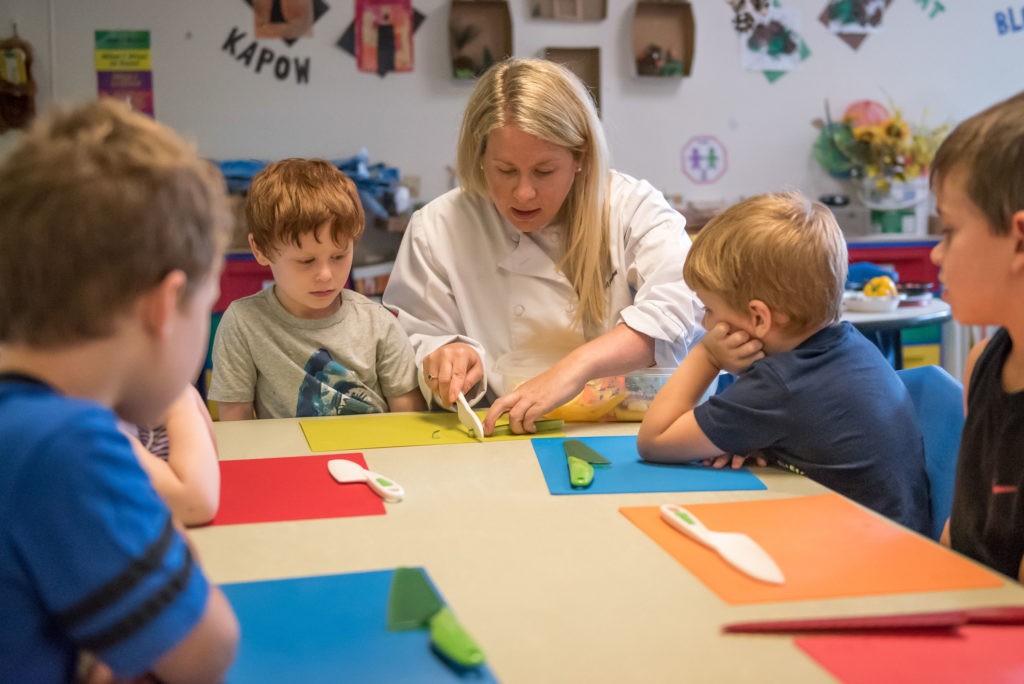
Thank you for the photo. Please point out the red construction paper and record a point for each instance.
(826, 546)
(974, 653)
(290, 488)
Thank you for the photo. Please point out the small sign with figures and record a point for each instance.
(704, 159)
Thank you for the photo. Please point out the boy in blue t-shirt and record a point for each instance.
(111, 233)
(811, 393)
(978, 178)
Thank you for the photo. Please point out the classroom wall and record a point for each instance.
(949, 59)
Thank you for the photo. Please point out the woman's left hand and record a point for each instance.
(534, 398)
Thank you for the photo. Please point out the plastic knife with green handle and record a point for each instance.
(413, 603)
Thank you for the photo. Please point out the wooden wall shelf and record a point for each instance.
(479, 34)
(585, 62)
(663, 38)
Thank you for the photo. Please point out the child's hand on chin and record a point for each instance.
(732, 350)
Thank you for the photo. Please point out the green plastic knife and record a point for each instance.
(581, 473)
(574, 447)
(413, 604)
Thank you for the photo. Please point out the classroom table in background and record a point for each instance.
(554, 588)
(885, 328)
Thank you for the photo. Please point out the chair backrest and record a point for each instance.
(939, 406)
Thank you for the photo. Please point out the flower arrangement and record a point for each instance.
(873, 143)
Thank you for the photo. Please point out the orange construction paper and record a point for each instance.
(825, 545)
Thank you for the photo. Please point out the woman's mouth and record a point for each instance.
(524, 215)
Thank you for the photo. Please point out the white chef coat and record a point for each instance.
(464, 274)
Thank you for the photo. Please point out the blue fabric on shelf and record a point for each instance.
(376, 182)
(862, 271)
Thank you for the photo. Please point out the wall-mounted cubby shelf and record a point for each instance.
(663, 38)
(585, 62)
(479, 34)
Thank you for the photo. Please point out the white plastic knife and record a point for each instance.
(737, 549)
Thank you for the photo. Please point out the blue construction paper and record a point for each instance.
(628, 473)
(331, 628)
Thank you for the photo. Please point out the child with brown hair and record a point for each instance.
(812, 394)
(111, 237)
(978, 178)
(308, 346)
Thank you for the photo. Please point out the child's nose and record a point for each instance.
(936, 254)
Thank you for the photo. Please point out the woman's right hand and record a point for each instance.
(451, 369)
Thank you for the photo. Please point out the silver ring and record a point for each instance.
(431, 378)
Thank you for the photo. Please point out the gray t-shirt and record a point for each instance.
(349, 362)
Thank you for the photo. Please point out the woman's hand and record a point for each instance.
(535, 397)
(451, 369)
(732, 351)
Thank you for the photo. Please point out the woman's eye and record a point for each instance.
(544, 172)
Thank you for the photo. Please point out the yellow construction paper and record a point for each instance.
(339, 433)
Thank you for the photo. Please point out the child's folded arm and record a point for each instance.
(669, 432)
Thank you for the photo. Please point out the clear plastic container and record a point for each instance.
(616, 398)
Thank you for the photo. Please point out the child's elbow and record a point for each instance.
(646, 446)
(200, 511)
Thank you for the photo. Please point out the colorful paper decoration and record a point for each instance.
(123, 68)
(704, 159)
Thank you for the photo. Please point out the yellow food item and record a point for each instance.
(881, 286)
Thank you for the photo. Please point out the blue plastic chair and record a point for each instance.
(939, 407)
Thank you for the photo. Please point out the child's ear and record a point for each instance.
(1017, 230)
(160, 304)
(261, 258)
(761, 318)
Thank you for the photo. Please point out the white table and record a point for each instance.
(555, 588)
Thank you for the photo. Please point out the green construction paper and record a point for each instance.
(382, 430)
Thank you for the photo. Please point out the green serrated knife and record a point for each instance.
(581, 460)
(413, 604)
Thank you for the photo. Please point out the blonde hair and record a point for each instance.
(294, 197)
(989, 148)
(548, 101)
(781, 248)
(99, 205)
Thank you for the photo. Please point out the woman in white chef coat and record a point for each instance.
(541, 247)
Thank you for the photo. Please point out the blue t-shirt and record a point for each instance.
(89, 559)
(834, 410)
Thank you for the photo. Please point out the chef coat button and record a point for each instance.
(518, 310)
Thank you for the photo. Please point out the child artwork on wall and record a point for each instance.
(288, 20)
(769, 37)
(380, 36)
(384, 36)
(853, 20)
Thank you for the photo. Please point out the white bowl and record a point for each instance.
(860, 303)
